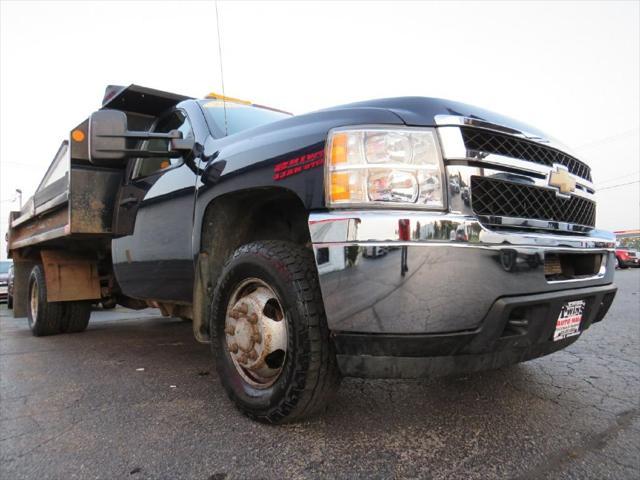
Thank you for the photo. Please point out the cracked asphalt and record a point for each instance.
(136, 397)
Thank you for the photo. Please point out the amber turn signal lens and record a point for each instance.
(340, 186)
(339, 148)
(77, 136)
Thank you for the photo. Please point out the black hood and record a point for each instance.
(421, 111)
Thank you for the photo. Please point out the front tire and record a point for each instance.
(269, 333)
(44, 318)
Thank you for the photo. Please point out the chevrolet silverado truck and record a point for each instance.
(258, 226)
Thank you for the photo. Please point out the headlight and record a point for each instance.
(384, 166)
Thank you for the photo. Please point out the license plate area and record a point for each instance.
(569, 319)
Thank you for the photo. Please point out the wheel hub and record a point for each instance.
(256, 332)
(34, 301)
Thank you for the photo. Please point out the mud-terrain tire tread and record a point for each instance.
(76, 316)
(316, 375)
(50, 314)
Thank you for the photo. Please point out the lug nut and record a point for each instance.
(234, 314)
(233, 348)
(253, 355)
(253, 318)
(243, 309)
(230, 330)
(256, 337)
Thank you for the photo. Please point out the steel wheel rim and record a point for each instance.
(256, 332)
(33, 301)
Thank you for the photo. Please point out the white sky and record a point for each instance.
(571, 69)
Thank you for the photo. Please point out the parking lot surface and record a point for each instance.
(136, 397)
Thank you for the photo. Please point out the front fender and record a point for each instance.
(288, 154)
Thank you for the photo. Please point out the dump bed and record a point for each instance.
(68, 224)
(76, 199)
(73, 199)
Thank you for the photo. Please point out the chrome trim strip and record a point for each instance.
(452, 143)
(461, 199)
(475, 122)
(403, 227)
(459, 120)
(497, 161)
(533, 223)
(453, 148)
(476, 246)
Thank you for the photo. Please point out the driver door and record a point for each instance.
(153, 260)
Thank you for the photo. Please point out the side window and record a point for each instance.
(174, 121)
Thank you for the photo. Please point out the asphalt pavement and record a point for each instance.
(136, 397)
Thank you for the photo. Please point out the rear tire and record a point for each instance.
(45, 318)
(76, 316)
(10, 302)
(108, 304)
(296, 378)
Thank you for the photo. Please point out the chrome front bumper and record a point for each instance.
(441, 272)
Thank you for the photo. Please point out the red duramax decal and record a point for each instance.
(298, 164)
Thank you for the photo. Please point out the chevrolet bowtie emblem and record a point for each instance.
(561, 179)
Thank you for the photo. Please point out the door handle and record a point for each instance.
(131, 200)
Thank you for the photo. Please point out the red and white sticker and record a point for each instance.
(569, 320)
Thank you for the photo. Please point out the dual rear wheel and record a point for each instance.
(51, 318)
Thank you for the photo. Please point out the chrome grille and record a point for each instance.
(491, 197)
(492, 142)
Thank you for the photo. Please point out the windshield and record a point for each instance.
(239, 117)
(4, 266)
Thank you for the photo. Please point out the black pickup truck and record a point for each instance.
(401, 237)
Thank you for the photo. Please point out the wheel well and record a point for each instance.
(236, 219)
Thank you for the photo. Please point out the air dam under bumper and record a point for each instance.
(516, 329)
(411, 294)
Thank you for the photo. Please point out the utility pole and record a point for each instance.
(19, 192)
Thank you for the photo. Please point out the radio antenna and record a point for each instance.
(224, 95)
